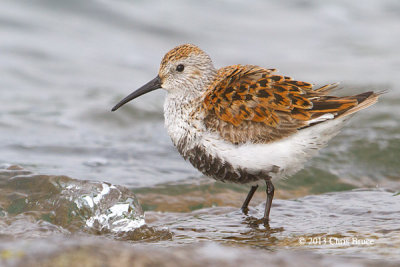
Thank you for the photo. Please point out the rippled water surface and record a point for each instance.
(70, 169)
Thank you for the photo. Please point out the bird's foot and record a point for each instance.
(256, 221)
(245, 210)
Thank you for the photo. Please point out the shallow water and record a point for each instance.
(359, 224)
(64, 64)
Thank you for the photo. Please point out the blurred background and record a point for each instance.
(65, 63)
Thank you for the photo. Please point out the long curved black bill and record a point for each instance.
(148, 87)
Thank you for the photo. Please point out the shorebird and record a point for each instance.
(243, 123)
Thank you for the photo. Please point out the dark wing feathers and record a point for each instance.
(249, 103)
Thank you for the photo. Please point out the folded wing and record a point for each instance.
(252, 104)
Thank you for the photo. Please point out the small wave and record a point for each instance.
(50, 204)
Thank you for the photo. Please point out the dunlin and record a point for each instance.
(244, 123)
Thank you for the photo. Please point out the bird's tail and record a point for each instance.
(364, 100)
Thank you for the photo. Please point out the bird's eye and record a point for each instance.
(180, 68)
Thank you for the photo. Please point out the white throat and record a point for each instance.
(182, 123)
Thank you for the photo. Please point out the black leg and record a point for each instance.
(245, 206)
(270, 196)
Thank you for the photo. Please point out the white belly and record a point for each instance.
(283, 158)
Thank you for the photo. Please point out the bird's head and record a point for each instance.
(184, 70)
